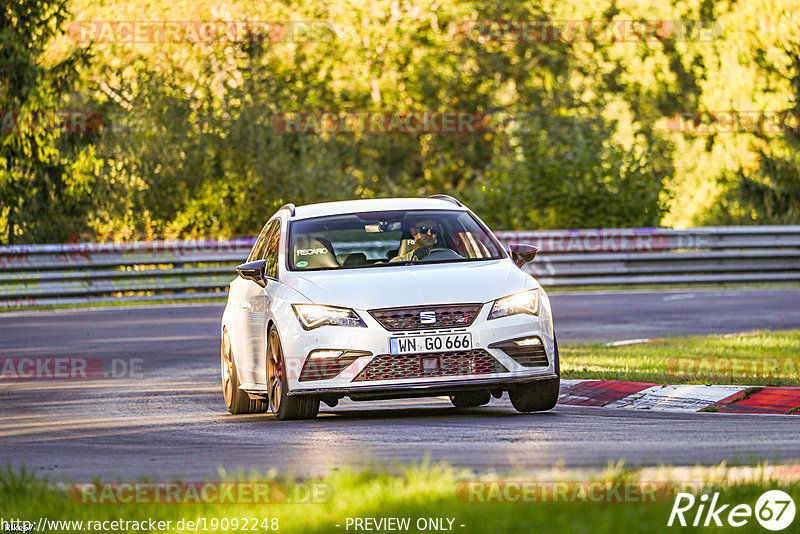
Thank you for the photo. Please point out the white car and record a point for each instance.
(383, 299)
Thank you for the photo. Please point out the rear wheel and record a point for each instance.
(538, 396)
(470, 399)
(236, 400)
(283, 406)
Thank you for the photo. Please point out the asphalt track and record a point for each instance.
(167, 420)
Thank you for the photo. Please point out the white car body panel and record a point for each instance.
(251, 309)
(381, 204)
(388, 287)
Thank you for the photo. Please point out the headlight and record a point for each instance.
(524, 302)
(313, 316)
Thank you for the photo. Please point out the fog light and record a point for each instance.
(326, 354)
(528, 342)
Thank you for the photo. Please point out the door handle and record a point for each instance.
(245, 305)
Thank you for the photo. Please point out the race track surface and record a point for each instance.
(168, 420)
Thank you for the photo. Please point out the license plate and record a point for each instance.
(437, 343)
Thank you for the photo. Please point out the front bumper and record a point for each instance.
(424, 389)
(374, 339)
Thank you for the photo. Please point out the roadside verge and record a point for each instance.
(681, 398)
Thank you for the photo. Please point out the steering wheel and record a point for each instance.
(436, 254)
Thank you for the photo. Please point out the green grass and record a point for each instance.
(422, 491)
(755, 358)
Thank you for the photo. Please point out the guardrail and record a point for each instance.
(713, 255)
(32, 275)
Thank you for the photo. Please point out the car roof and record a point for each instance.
(379, 204)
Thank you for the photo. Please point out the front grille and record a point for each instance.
(410, 317)
(398, 366)
(528, 354)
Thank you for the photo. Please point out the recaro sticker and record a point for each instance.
(311, 251)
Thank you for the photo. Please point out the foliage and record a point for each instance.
(615, 499)
(769, 193)
(751, 358)
(45, 174)
(577, 136)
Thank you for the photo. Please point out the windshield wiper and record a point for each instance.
(420, 262)
(389, 263)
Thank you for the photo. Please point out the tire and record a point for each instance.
(284, 407)
(470, 399)
(538, 396)
(236, 400)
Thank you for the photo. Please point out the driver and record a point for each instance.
(424, 232)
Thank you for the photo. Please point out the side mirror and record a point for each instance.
(255, 271)
(522, 254)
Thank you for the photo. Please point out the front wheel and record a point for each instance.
(541, 395)
(236, 400)
(284, 407)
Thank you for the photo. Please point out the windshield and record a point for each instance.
(388, 238)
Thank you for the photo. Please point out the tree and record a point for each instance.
(45, 166)
(567, 172)
(769, 193)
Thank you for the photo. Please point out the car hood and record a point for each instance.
(383, 287)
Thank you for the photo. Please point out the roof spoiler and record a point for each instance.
(447, 198)
(289, 207)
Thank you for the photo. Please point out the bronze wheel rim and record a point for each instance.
(226, 365)
(274, 371)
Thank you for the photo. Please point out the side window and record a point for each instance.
(271, 252)
(258, 248)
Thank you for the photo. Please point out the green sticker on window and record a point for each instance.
(302, 264)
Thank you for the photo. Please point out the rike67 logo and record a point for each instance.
(774, 510)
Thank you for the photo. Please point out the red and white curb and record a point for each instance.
(682, 398)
